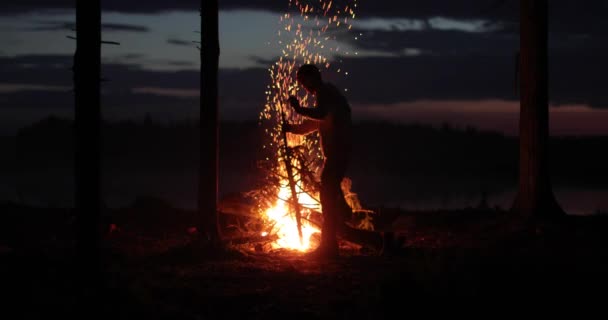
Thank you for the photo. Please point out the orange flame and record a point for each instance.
(285, 223)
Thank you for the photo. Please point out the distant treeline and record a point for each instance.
(409, 151)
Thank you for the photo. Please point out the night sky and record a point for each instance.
(428, 61)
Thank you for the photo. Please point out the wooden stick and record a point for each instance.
(292, 184)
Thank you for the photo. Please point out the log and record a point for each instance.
(251, 239)
(366, 238)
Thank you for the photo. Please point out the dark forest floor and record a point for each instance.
(151, 272)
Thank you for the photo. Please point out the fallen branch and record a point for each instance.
(251, 239)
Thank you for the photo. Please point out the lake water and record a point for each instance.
(55, 188)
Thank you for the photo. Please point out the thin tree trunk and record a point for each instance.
(87, 64)
(535, 197)
(209, 130)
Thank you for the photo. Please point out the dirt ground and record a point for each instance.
(152, 271)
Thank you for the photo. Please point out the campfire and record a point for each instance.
(288, 203)
(307, 40)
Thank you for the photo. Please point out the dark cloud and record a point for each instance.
(179, 42)
(586, 18)
(177, 63)
(453, 65)
(572, 79)
(462, 9)
(450, 42)
(565, 16)
(37, 69)
(64, 25)
(124, 27)
(108, 5)
(261, 61)
(467, 9)
(371, 80)
(241, 91)
(131, 56)
(579, 78)
(387, 80)
(37, 99)
(433, 41)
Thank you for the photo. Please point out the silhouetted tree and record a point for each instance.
(535, 197)
(209, 127)
(87, 65)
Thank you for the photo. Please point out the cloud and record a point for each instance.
(37, 99)
(467, 9)
(433, 41)
(176, 63)
(169, 92)
(262, 61)
(16, 87)
(371, 80)
(64, 25)
(423, 9)
(179, 42)
(389, 80)
(241, 91)
(565, 16)
(24, 6)
(124, 27)
(132, 56)
(572, 80)
(37, 69)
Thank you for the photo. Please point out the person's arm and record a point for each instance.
(317, 113)
(304, 128)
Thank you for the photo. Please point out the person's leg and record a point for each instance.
(340, 210)
(331, 198)
(330, 221)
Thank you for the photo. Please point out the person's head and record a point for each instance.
(310, 77)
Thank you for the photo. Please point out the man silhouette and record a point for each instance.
(332, 118)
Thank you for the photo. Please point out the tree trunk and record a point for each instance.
(535, 198)
(87, 65)
(209, 129)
